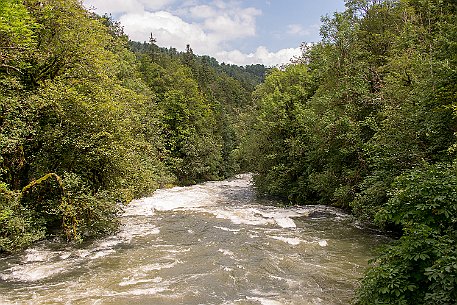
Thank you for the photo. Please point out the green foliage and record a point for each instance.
(16, 35)
(421, 267)
(84, 214)
(425, 195)
(415, 122)
(194, 150)
(16, 25)
(87, 125)
(51, 206)
(17, 226)
(304, 146)
(280, 101)
(366, 120)
(200, 110)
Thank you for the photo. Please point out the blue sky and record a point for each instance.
(288, 23)
(240, 32)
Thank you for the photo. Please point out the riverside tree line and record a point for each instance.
(364, 120)
(90, 120)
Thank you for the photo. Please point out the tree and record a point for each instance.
(66, 112)
(421, 267)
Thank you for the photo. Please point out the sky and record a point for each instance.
(268, 32)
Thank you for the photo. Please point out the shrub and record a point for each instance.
(421, 267)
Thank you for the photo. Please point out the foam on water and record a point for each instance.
(294, 241)
(247, 216)
(33, 272)
(206, 244)
(159, 266)
(41, 263)
(187, 198)
(228, 229)
(140, 292)
(323, 243)
(171, 199)
(132, 281)
(227, 252)
(36, 255)
(3, 301)
(205, 198)
(285, 222)
(102, 253)
(264, 301)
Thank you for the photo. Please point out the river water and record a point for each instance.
(213, 243)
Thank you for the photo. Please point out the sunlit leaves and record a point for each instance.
(372, 127)
(16, 26)
(115, 125)
(78, 109)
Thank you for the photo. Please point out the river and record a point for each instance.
(212, 243)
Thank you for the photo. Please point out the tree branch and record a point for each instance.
(12, 68)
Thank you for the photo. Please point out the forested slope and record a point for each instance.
(366, 120)
(89, 121)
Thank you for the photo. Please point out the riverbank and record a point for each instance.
(211, 243)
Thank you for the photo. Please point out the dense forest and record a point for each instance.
(364, 120)
(90, 121)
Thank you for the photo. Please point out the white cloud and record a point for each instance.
(295, 29)
(223, 20)
(169, 30)
(232, 24)
(212, 26)
(202, 11)
(298, 29)
(208, 28)
(125, 6)
(156, 4)
(114, 7)
(262, 55)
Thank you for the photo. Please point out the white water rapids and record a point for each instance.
(213, 243)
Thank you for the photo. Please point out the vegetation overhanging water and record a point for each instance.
(212, 243)
(364, 119)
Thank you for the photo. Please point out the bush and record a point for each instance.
(421, 267)
(85, 214)
(51, 206)
(17, 228)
